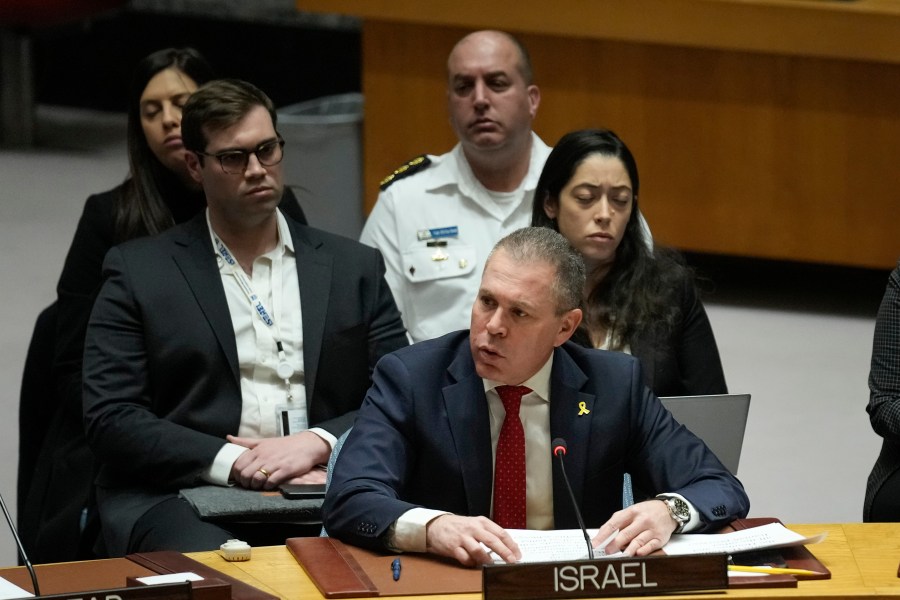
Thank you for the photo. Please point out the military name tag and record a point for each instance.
(437, 233)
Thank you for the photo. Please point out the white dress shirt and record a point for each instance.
(409, 530)
(264, 394)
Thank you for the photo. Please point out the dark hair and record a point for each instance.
(218, 105)
(141, 208)
(539, 244)
(636, 296)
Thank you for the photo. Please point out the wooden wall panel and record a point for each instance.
(757, 154)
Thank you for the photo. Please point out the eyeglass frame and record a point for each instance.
(246, 154)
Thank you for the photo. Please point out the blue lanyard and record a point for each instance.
(284, 369)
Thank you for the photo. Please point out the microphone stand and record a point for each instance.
(12, 527)
(560, 451)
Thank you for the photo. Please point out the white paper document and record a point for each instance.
(774, 535)
(569, 544)
(556, 545)
(11, 590)
(170, 578)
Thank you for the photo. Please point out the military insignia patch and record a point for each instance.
(410, 168)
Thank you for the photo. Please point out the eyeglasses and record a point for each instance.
(234, 162)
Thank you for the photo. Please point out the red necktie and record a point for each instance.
(509, 470)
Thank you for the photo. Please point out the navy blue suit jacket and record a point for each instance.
(422, 438)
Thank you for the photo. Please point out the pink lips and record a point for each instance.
(488, 353)
(483, 124)
(259, 190)
(173, 141)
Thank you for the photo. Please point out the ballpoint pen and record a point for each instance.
(771, 570)
(395, 569)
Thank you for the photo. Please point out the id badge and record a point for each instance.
(290, 419)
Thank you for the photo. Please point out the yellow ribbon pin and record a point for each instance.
(582, 409)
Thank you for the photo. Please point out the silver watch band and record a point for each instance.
(681, 517)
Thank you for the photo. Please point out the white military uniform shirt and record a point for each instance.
(434, 286)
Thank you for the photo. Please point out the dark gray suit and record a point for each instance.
(161, 380)
(422, 438)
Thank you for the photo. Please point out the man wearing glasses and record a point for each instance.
(233, 349)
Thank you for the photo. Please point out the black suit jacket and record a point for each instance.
(684, 362)
(56, 487)
(161, 378)
(422, 439)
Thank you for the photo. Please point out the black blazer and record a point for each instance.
(59, 485)
(81, 277)
(161, 379)
(422, 438)
(686, 361)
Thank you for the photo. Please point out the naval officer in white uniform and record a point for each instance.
(437, 217)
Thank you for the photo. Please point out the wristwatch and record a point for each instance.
(678, 510)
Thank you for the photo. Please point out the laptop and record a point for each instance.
(718, 420)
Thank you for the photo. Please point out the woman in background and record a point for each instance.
(157, 194)
(882, 502)
(638, 298)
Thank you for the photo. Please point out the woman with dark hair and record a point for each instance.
(158, 191)
(157, 194)
(639, 298)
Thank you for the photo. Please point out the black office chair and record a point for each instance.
(38, 400)
(56, 518)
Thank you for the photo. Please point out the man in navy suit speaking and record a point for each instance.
(435, 464)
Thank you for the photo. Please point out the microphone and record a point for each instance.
(559, 450)
(12, 528)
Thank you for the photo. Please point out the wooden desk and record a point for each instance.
(762, 128)
(863, 560)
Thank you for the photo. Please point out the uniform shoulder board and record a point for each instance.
(414, 166)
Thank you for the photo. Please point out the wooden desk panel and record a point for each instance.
(61, 578)
(271, 569)
(876, 553)
(856, 29)
(863, 560)
(753, 144)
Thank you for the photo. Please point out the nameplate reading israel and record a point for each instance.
(605, 577)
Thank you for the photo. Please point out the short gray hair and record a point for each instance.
(530, 245)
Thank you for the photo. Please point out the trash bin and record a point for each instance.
(323, 160)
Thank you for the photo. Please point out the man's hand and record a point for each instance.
(461, 538)
(643, 528)
(273, 461)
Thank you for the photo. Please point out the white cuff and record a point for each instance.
(219, 472)
(408, 531)
(329, 439)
